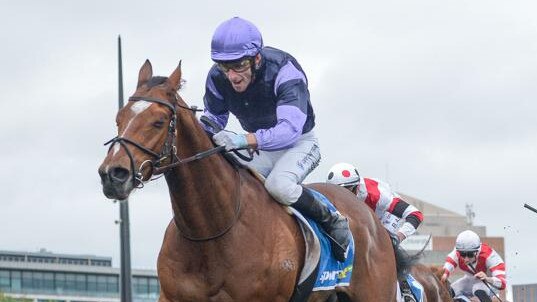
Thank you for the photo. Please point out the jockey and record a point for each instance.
(388, 206)
(267, 91)
(483, 267)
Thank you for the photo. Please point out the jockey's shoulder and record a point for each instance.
(371, 181)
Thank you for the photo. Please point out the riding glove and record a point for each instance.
(230, 140)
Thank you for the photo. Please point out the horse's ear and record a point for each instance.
(175, 79)
(146, 73)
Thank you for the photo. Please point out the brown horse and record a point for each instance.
(430, 279)
(229, 239)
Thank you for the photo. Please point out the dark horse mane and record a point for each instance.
(404, 261)
(155, 81)
(159, 80)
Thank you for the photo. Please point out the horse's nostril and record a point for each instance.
(119, 174)
(102, 174)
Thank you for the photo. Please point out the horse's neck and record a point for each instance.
(204, 193)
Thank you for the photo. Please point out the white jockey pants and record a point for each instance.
(285, 169)
(467, 285)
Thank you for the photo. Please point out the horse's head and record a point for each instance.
(438, 271)
(146, 133)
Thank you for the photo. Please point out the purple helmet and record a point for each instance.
(234, 39)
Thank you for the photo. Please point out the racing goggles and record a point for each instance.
(467, 254)
(238, 66)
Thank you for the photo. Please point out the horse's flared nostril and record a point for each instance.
(118, 174)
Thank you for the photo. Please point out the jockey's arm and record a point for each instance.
(496, 266)
(412, 216)
(450, 264)
(251, 140)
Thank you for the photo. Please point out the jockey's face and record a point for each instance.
(468, 257)
(240, 74)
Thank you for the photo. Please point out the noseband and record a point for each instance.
(169, 151)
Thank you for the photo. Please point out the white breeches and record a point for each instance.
(285, 169)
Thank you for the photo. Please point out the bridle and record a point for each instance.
(169, 152)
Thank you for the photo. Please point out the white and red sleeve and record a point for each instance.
(392, 203)
(496, 266)
(451, 262)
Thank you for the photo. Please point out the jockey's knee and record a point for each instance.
(284, 190)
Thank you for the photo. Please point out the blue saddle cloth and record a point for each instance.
(415, 287)
(330, 273)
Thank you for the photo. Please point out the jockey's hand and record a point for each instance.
(230, 140)
(444, 277)
(481, 276)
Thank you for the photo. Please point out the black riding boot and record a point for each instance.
(482, 295)
(335, 225)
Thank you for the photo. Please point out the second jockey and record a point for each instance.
(387, 205)
(483, 267)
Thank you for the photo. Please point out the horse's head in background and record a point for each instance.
(430, 277)
(146, 133)
(438, 271)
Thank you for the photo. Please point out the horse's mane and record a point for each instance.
(404, 261)
(158, 80)
(155, 81)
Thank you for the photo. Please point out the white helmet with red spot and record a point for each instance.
(468, 241)
(344, 175)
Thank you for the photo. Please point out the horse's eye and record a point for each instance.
(158, 124)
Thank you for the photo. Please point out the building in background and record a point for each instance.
(525, 293)
(46, 276)
(443, 226)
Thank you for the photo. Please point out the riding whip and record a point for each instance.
(527, 206)
(484, 281)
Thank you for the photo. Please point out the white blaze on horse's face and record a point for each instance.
(136, 108)
(140, 106)
(117, 147)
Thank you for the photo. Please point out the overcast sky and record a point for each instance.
(438, 98)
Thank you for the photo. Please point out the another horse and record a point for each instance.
(229, 239)
(430, 279)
